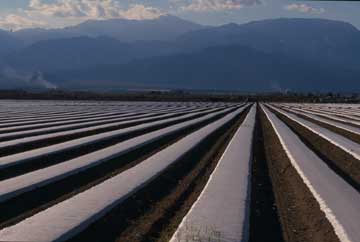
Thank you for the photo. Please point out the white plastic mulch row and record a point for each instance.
(41, 130)
(337, 199)
(11, 115)
(336, 124)
(32, 180)
(57, 131)
(44, 111)
(49, 117)
(27, 156)
(56, 122)
(340, 141)
(24, 118)
(68, 218)
(351, 112)
(337, 113)
(343, 108)
(325, 110)
(221, 213)
(332, 117)
(344, 113)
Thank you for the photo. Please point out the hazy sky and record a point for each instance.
(16, 14)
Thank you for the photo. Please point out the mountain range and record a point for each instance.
(169, 52)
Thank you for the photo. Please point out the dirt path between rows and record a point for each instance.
(32, 202)
(347, 134)
(337, 159)
(265, 225)
(71, 153)
(300, 214)
(154, 213)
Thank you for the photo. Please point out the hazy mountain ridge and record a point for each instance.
(8, 43)
(317, 40)
(234, 67)
(170, 52)
(164, 28)
(81, 52)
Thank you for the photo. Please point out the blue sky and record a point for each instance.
(17, 14)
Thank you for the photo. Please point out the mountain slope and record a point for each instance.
(225, 68)
(8, 43)
(325, 42)
(296, 54)
(322, 42)
(81, 52)
(165, 27)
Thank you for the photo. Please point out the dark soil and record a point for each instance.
(48, 125)
(34, 201)
(351, 124)
(282, 207)
(63, 138)
(5, 124)
(300, 214)
(58, 157)
(154, 212)
(264, 218)
(347, 134)
(337, 159)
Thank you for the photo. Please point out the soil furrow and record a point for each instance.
(58, 157)
(154, 212)
(301, 217)
(343, 122)
(130, 117)
(264, 218)
(337, 159)
(345, 133)
(34, 201)
(63, 138)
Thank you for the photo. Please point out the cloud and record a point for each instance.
(92, 9)
(139, 11)
(13, 21)
(39, 12)
(217, 5)
(76, 8)
(304, 8)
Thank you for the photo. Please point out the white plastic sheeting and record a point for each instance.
(221, 213)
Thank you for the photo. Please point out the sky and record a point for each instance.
(19, 14)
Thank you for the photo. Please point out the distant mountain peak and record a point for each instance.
(177, 51)
(303, 22)
(166, 27)
(231, 25)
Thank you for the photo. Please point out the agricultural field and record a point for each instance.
(179, 172)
